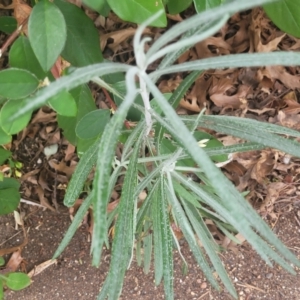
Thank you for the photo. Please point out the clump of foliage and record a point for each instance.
(13, 280)
(158, 153)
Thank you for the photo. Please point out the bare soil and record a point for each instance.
(73, 277)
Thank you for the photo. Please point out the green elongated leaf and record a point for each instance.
(1, 290)
(167, 244)
(78, 77)
(17, 83)
(8, 24)
(9, 200)
(285, 15)
(133, 114)
(124, 231)
(242, 216)
(92, 124)
(64, 104)
(47, 33)
(22, 56)
(220, 183)
(82, 46)
(85, 104)
(17, 281)
(147, 245)
(258, 132)
(157, 236)
(104, 161)
(209, 245)
(203, 5)
(4, 155)
(138, 11)
(189, 235)
(177, 6)
(8, 109)
(100, 6)
(83, 169)
(2, 261)
(234, 61)
(74, 226)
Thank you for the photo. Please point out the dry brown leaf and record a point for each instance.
(212, 46)
(62, 167)
(41, 267)
(263, 166)
(21, 13)
(14, 261)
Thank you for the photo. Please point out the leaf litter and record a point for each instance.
(267, 94)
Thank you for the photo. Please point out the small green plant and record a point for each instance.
(158, 154)
(13, 280)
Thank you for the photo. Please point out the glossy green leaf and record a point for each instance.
(92, 124)
(101, 6)
(21, 56)
(47, 33)
(82, 46)
(8, 182)
(85, 104)
(177, 6)
(17, 83)
(4, 137)
(17, 281)
(9, 200)
(285, 14)
(7, 110)
(8, 24)
(203, 5)
(138, 11)
(4, 155)
(64, 104)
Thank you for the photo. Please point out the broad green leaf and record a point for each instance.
(64, 104)
(100, 6)
(82, 46)
(138, 11)
(285, 14)
(17, 83)
(92, 124)
(2, 261)
(9, 200)
(9, 183)
(47, 33)
(85, 104)
(4, 155)
(177, 6)
(76, 78)
(8, 24)
(203, 5)
(17, 281)
(4, 137)
(8, 109)
(21, 56)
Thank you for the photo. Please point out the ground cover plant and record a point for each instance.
(159, 153)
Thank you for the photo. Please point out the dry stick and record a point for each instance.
(114, 106)
(12, 37)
